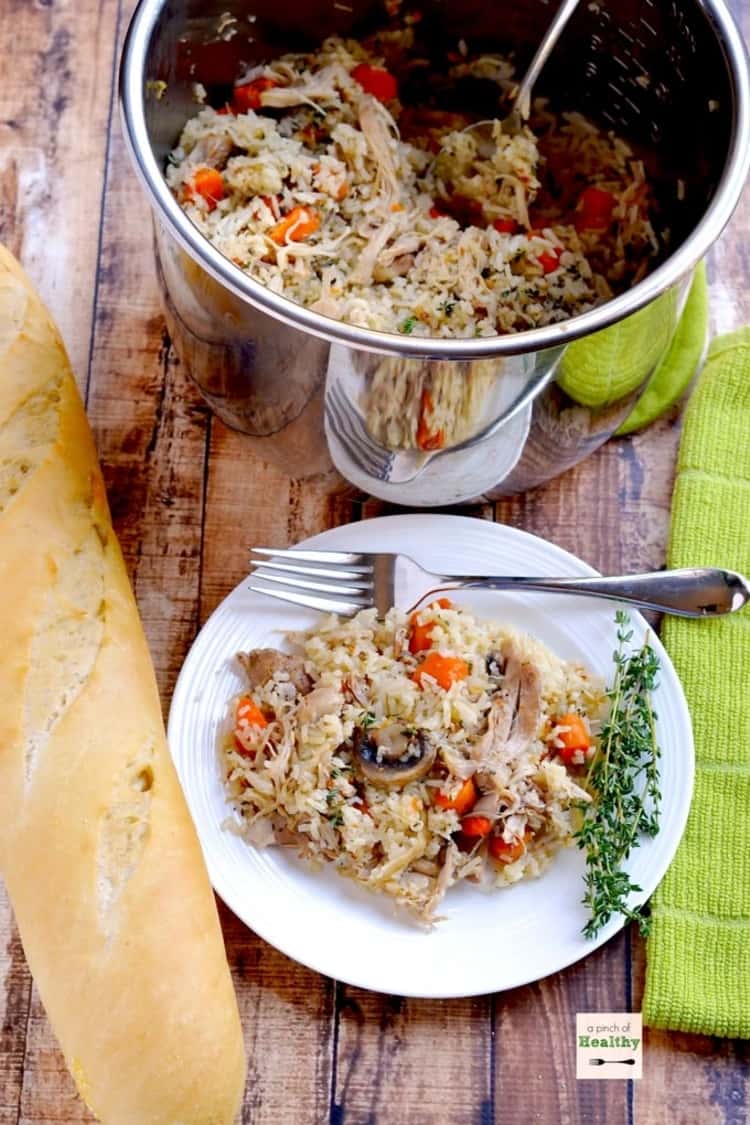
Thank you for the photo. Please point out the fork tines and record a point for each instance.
(347, 424)
(348, 585)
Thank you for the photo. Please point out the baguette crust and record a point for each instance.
(97, 849)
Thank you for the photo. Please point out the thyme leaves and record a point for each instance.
(624, 779)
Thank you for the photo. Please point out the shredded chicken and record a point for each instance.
(262, 664)
(373, 123)
(210, 151)
(442, 884)
(513, 718)
(318, 88)
(323, 700)
(458, 765)
(362, 272)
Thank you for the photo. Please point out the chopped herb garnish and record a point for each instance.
(624, 779)
(447, 307)
(366, 719)
(408, 325)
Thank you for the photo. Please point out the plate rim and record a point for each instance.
(610, 930)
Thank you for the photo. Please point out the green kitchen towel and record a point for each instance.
(672, 376)
(698, 951)
(614, 362)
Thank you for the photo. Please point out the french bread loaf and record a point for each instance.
(97, 849)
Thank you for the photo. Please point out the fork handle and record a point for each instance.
(694, 592)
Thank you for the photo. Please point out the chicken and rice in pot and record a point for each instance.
(413, 752)
(323, 181)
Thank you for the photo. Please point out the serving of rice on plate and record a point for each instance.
(325, 180)
(413, 752)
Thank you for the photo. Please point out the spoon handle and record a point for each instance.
(523, 94)
(691, 592)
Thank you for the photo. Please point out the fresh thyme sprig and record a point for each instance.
(624, 779)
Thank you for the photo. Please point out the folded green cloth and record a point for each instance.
(672, 376)
(603, 368)
(698, 952)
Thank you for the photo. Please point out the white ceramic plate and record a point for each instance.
(487, 941)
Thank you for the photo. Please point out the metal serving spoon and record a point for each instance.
(521, 108)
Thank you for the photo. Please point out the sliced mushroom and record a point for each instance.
(262, 664)
(391, 756)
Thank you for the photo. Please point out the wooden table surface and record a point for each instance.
(180, 486)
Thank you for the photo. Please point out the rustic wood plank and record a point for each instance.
(535, 1035)
(149, 422)
(370, 507)
(15, 991)
(252, 502)
(49, 1094)
(55, 103)
(287, 1017)
(419, 1061)
(151, 427)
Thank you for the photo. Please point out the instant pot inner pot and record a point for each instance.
(651, 70)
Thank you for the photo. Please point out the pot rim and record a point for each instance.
(132, 87)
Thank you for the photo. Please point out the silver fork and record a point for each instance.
(345, 582)
(394, 466)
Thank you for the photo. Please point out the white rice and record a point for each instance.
(300, 782)
(388, 253)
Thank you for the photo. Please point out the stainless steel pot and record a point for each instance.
(670, 75)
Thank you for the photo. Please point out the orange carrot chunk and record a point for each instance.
(248, 96)
(505, 852)
(298, 225)
(420, 636)
(206, 183)
(249, 714)
(464, 800)
(549, 262)
(576, 739)
(376, 81)
(595, 209)
(445, 670)
(476, 827)
(428, 439)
